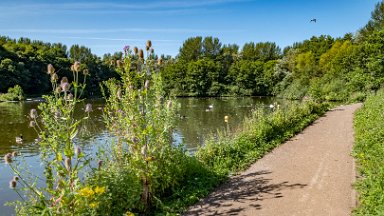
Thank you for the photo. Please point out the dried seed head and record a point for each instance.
(58, 90)
(77, 150)
(50, 69)
(54, 77)
(119, 63)
(88, 108)
(135, 50)
(32, 124)
(72, 68)
(8, 158)
(85, 72)
(12, 184)
(14, 154)
(119, 94)
(99, 164)
(33, 113)
(64, 86)
(146, 84)
(76, 66)
(68, 164)
(64, 80)
(70, 97)
(141, 54)
(147, 48)
(15, 178)
(149, 43)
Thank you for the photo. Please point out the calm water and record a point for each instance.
(198, 119)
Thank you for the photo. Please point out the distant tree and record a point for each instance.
(192, 49)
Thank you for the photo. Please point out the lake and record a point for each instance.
(198, 119)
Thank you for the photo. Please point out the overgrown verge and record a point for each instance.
(216, 161)
(369, 152)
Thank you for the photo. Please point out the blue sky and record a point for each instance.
(107, 26)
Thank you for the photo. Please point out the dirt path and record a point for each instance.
(312, 174)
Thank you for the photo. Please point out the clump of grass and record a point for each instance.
(369, 152)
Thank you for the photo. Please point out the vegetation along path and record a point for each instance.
(312, 174)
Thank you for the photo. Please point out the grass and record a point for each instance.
(369, 153)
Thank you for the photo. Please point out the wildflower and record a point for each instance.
(12, 184)
(85, 72)
(226, 118)
(64, 80)
(32, 124)
(126, 49)
(135, 50)
(141, 54)
(14, 154)
(128, 213)
(86, 192)
(8, 158)
(146, 84)
(16, 178)
(68, 164)
(76, 66)
(88, 108)
(50, 69)
(33, 113)
(54, 77)
(99, 190)
(149, 159)
(93, 204)
(77, 150)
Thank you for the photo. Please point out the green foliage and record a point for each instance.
(369, 152)
(14, 94)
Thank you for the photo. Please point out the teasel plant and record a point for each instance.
(141, 118)
(61, 155)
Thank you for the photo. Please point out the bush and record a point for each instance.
(14, 94)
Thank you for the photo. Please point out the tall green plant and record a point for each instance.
(140, 117)
(63, 192)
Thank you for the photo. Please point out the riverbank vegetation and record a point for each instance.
(369, 152)
(13, 94)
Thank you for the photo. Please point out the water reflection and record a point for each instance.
(198, 119)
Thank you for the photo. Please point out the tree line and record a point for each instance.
(322, 67)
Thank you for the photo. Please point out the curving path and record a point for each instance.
(312, 174)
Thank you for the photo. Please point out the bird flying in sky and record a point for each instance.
(313, 20)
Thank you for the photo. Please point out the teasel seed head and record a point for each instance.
(149, 43)
(88, 108)
(70, 97)
(99, 164)
(68, 164)
(32, 124)
(14, 154)
(58, 90)
(8, 158)
(12, 184)
(54, 77)
(76, 66)
(85, 72)
(33, 113)
(50, 69)
(77, 150)
(64, 86)
(141, 54)
(135, 50)
(64, 80)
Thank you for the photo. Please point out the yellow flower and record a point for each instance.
(128, 213)
(94, 204)
(99, 190)
(86, 192)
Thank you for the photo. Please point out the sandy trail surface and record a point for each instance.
(311, 174)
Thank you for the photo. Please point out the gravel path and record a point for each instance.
(312, 174)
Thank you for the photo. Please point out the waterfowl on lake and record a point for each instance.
(19, 139)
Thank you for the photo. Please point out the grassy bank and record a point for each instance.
(216, 161)
(369, 152)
